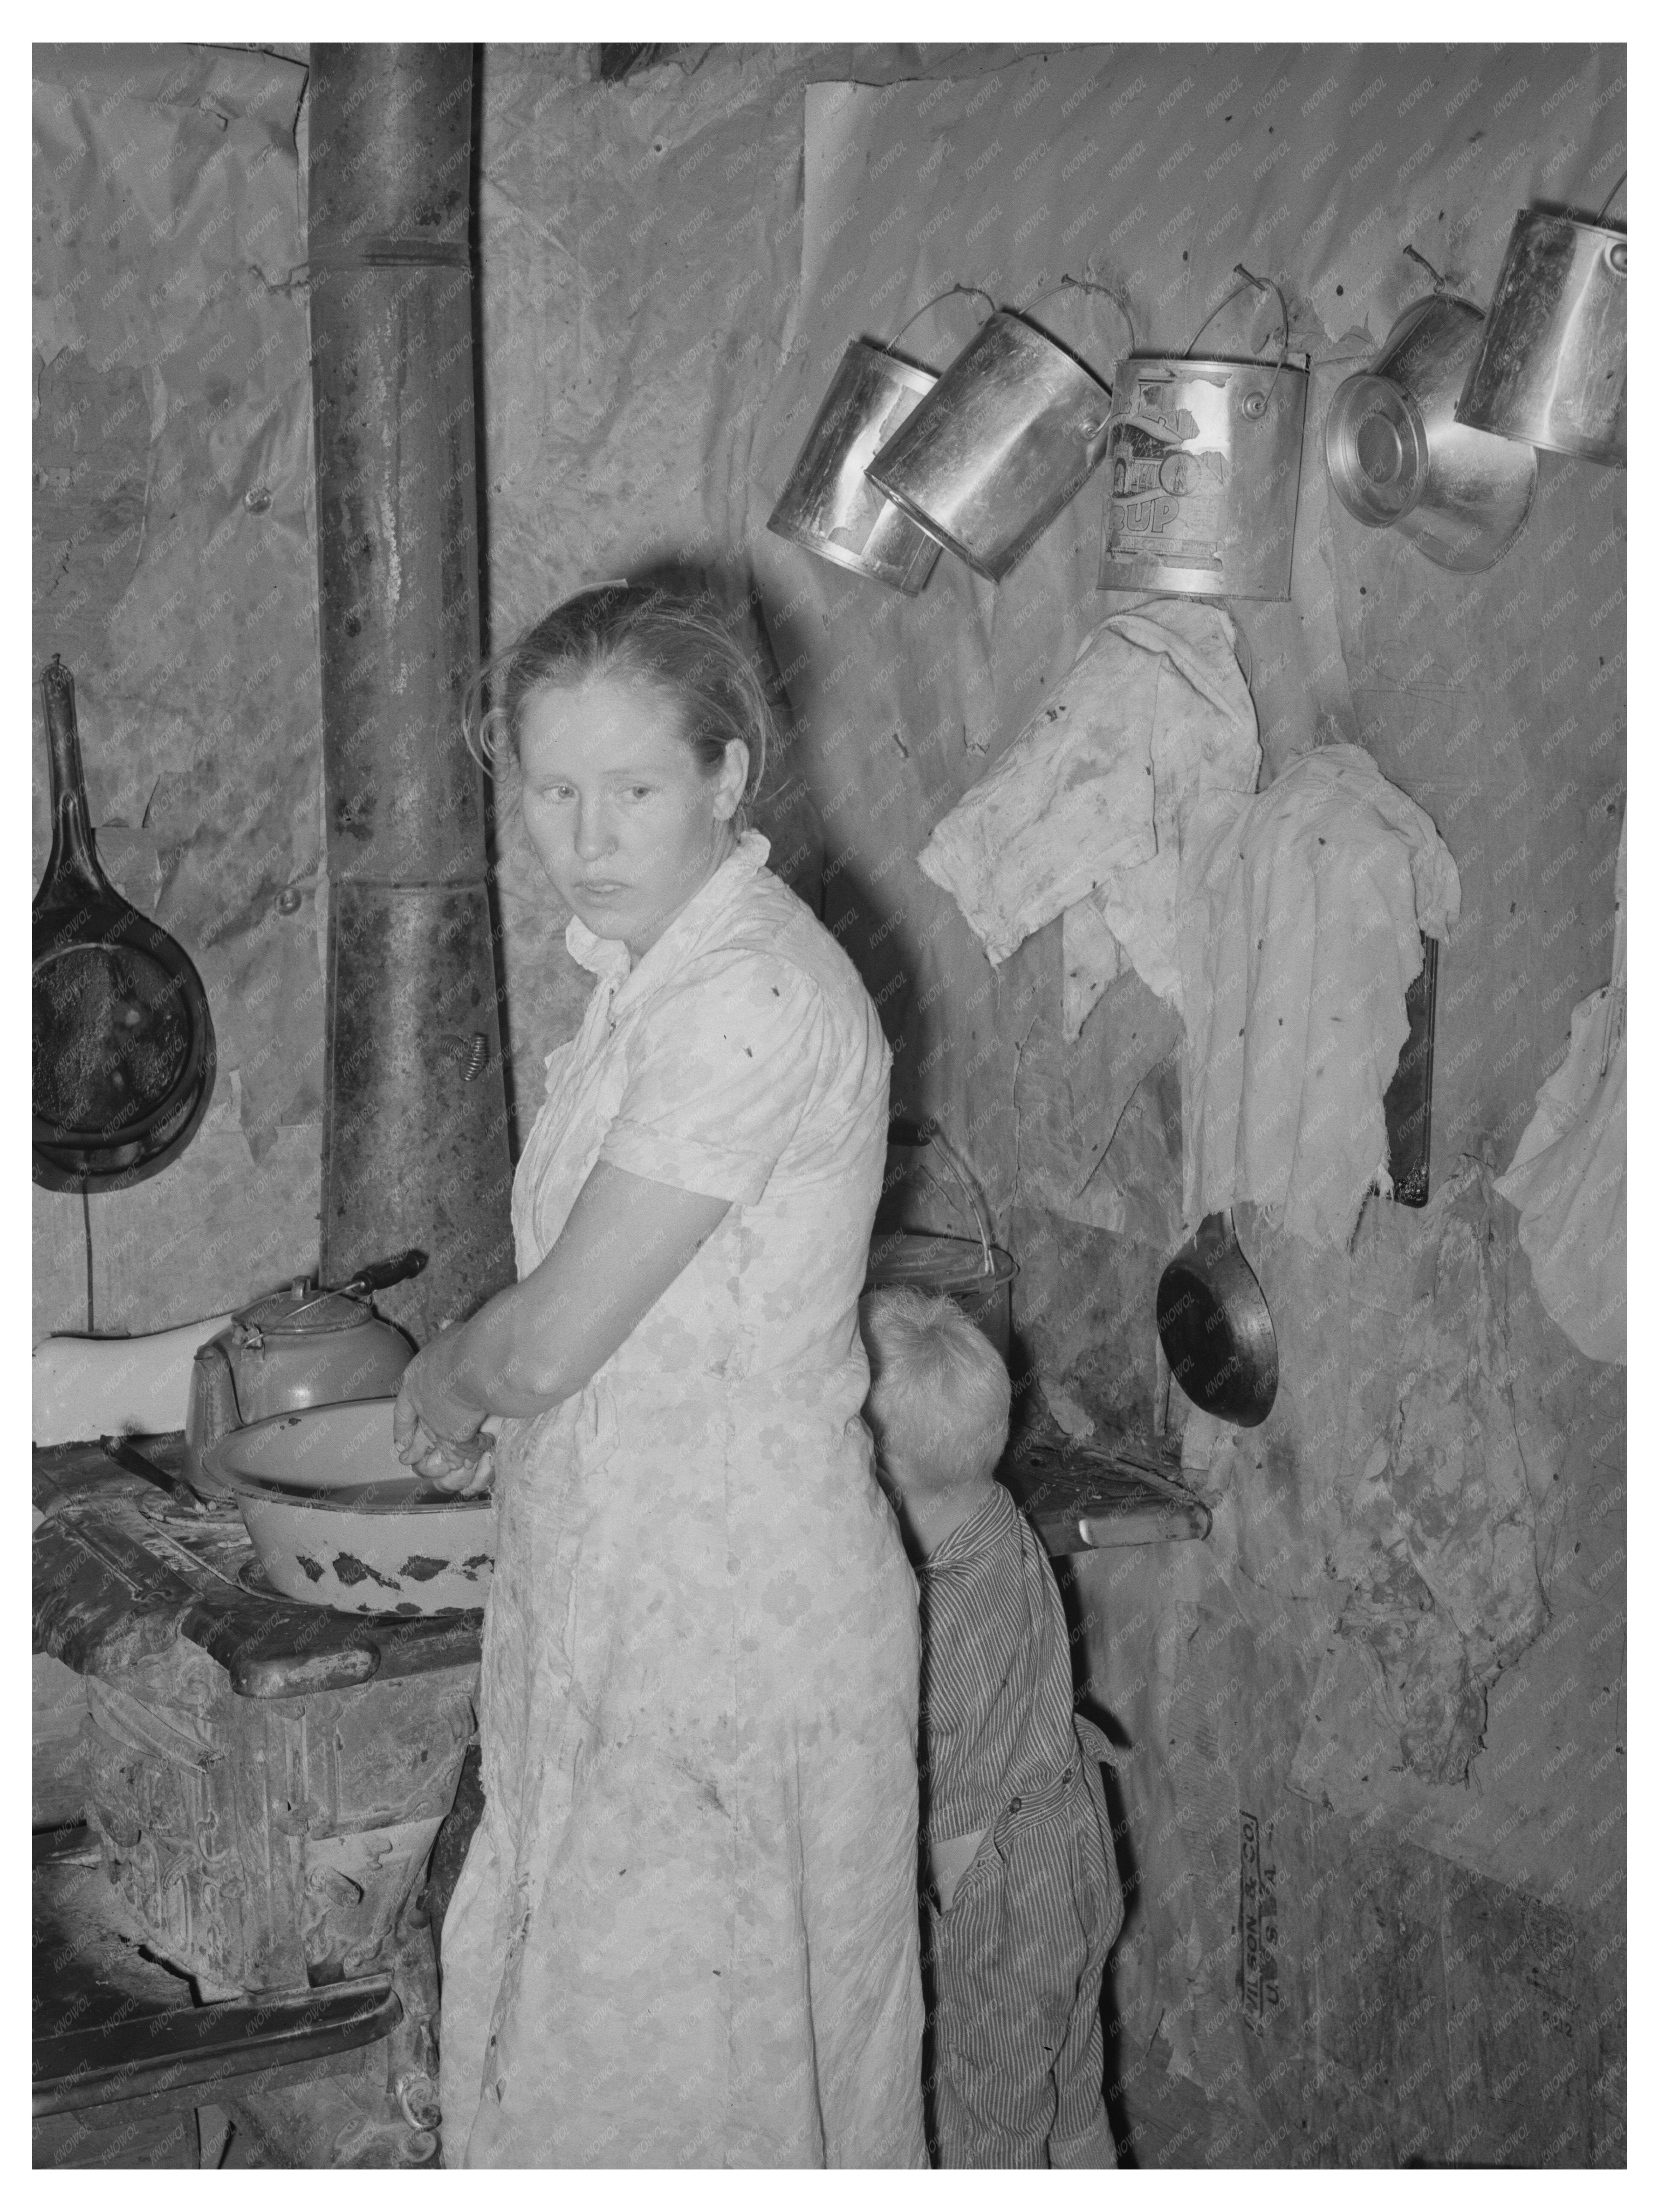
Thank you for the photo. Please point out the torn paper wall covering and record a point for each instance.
(174, 574)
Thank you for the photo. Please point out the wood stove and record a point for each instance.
(264, 1782)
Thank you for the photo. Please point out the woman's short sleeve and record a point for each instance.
(720, 1072)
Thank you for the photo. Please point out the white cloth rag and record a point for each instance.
(1300, 923)
(1567, 1178)
(1084, 814)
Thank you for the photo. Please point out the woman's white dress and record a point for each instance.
(686, 1932)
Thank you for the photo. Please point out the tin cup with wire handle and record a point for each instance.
(829, 504)
(1007, 436)
(1205, 464)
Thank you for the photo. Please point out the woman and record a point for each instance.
(685, 1933)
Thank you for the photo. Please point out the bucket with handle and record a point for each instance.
(1205, 462)
(1009, 433)
(1550, 364)
(974, 1273)
(829, 504)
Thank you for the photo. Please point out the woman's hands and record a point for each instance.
(435, 1430)
(535, 1344)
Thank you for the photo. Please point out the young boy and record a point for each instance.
(1025, 1900)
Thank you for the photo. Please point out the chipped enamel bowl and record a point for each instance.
(337, 1518)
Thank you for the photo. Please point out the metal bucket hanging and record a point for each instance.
(1008, 434)
(1205, 459)
(829, 505)
(1397, 458)
(1551, 366)
(975, 1274)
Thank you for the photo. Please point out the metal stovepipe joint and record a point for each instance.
(414, 1145)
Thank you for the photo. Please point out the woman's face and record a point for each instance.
(623, 815)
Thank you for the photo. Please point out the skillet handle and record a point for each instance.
(1215, 1236)
(73, 852)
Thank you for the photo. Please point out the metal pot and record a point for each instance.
(1003, 441)
(1214, 1326)
(293, 1349)
(1550, 368)
(829, 505)
(1400, 459)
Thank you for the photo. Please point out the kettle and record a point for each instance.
(293, 1348)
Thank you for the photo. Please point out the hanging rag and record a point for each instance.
(1300, 923)
(1084, 814)
(1567, 1177)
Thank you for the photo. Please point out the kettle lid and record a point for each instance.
(301, 1310)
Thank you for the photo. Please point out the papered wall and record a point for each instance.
(1409, 1764)
(1294, 1695)
(641, 252)
(174, 573)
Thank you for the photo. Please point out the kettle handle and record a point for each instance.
(381, 1274)
(377, 1275)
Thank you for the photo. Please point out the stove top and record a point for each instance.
(121, 1570)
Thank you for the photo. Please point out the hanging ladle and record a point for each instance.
(1214, 1326)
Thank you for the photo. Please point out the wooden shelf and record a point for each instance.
(1089, 1497)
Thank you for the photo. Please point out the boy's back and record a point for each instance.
(1019, 1940)
(996, 1680)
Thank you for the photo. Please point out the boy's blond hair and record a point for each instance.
(939, 1394)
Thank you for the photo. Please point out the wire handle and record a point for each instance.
(1612, 197)
(1088, 284)
(917, 1136)
(1262, 284)
(1423, 261)
(946, 294)
(1443, 288)
(959, 1169)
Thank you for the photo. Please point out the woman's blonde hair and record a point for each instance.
(940, 1393)
(671, 642)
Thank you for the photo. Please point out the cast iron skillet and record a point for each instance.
(1216, 1330)
(123, 1052)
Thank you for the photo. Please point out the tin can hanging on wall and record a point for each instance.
(1551, 365)
(829, 504)
(1204, 459)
